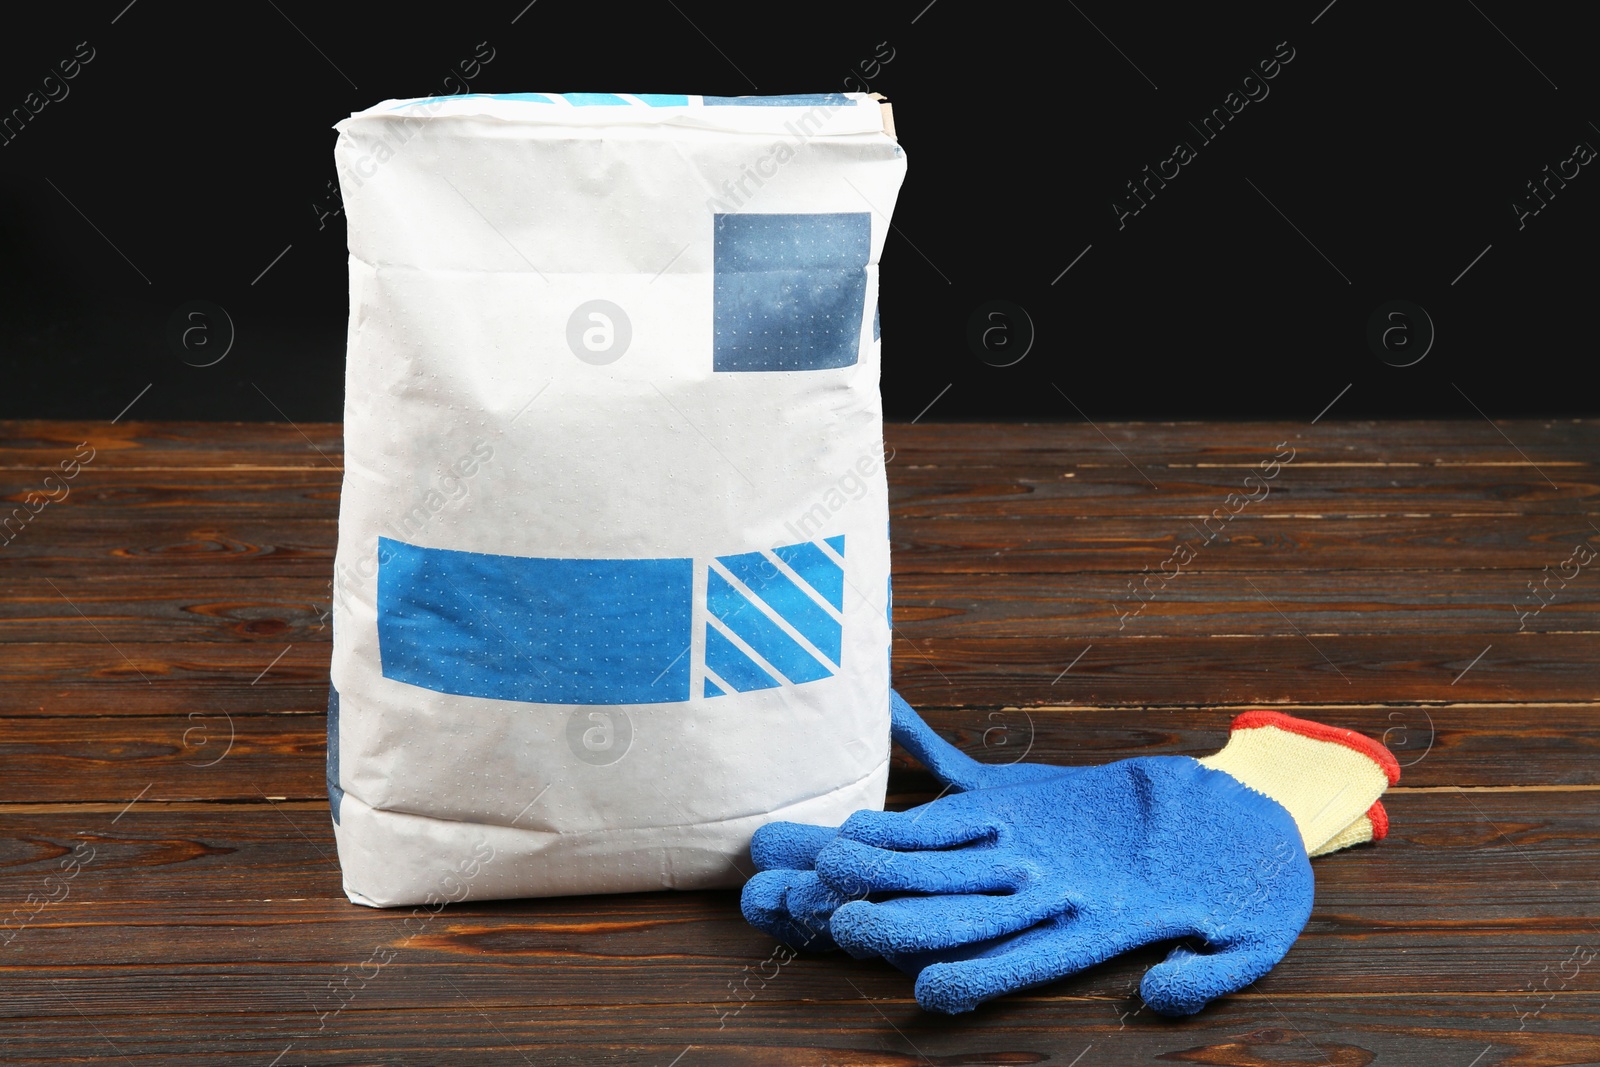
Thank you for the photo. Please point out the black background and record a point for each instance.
(197, 145)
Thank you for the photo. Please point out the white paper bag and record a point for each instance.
(612, 576)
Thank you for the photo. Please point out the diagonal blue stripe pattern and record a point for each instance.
(733, 666)
(759, 632)
(817, 568)
(792, 605)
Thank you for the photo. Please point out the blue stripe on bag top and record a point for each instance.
(607, 631)
(789, 291)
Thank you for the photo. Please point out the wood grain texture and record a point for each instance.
(1134, 545)
(134, 607)
(1251, 1031)
(223, 755)
(38, 443)
(1183, 495)
(252, 931)
(1194, 494)
(165, 642)
(230, 545)
(147, 607)
(152, 678)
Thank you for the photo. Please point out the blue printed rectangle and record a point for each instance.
(789, 290)
(553, 631)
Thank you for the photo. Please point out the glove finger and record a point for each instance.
(1038, 934)
(856, 870)
(1187, 981)
(954, 986)
(811, 906)
(791, 906)
(789, 845)
(943, 824)
(906, 925)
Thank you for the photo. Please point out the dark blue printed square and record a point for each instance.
(789, 291)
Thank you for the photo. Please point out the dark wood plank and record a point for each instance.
(201, 755)
(159, 678)
(1197, 493)
(178, 547)
(1188, 495)
(151, 678)
(36, 444)
(1286, 669)
(1250, 1030)
(164, 678)
(221, 755)
(103, 493)
(1012, 544)
(1187, 444)
(228, 545)
(40, 444)
(1436, 746)
(146, 607)
(1200, 603)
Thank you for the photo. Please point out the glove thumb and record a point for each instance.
(948, 763)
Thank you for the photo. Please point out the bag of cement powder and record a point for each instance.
(612, 574)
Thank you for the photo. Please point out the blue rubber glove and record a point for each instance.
(1212, 849)
(791, 903)
(788, 901)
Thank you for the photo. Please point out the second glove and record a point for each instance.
(1022, 883)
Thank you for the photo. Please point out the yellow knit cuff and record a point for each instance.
(1325, 777)
(1373, 825)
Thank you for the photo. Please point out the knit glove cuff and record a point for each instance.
(1373, 825)
(1327, 778)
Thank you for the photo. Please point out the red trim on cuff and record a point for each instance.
(1379, 819)
(1252, 720)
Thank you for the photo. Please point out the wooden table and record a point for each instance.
(165, 670)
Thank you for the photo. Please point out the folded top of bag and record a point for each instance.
(806, 114)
